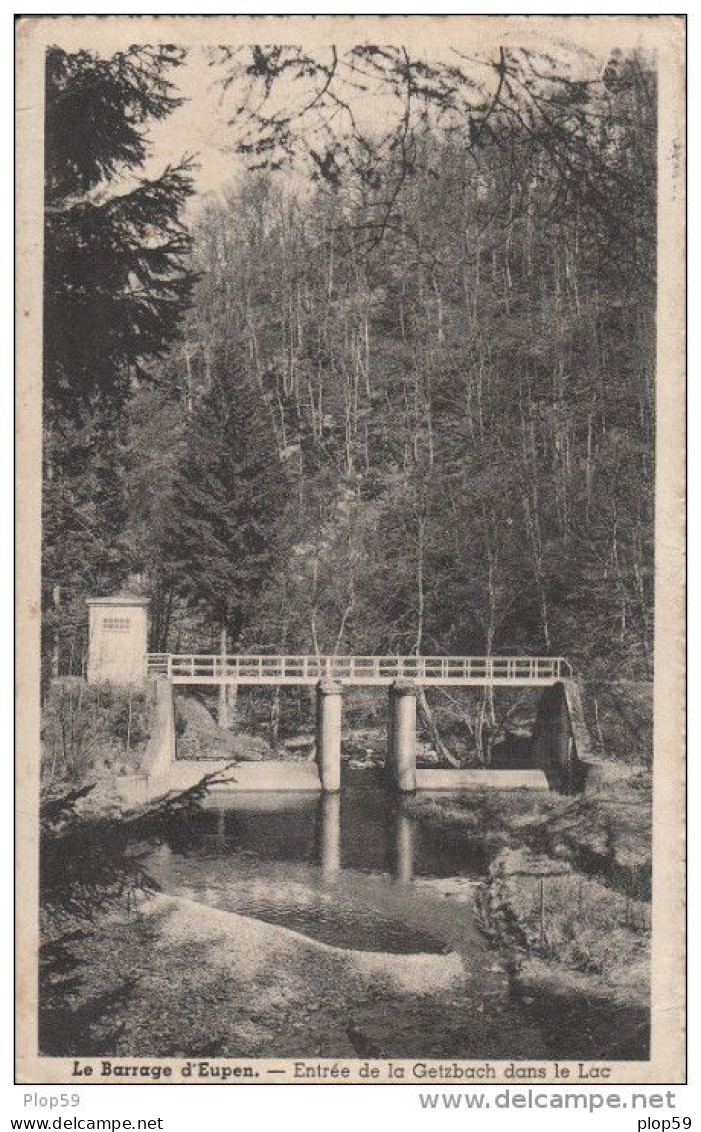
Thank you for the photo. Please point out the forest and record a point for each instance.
(390, 390)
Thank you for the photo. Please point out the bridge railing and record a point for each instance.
(358, 669)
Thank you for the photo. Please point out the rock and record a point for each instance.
(298, 741)
(431, 757)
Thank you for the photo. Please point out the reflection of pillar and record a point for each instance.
(403, 856)
(221, 827)
(330, 834)
(402, 735)
(329, 701)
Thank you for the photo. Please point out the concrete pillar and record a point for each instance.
(401, 755)
(403, 848)
(226, 704)
(329, 704)
(330, 834)
(222, 708)
(232, 692)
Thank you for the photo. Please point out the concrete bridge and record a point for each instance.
(403, 676)
(118, 653)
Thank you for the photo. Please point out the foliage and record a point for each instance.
(464, 408)
(569, 918)
(90, 730)
(115, 250)
(220, 533)
(92, 857)
(154, 416)
(413, 404)
(565, 119)
(84, 510)
(92, 864)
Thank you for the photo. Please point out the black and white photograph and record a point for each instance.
(351, 539)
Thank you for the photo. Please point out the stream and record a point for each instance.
(360, 871)
(355, 870)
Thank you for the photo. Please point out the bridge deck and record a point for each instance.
(368, 671)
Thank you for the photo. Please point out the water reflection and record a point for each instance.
(361, 871)
(365, 829)
(355, 869)
(221, 828)
(330, 834)
(400, 848)
(403, 845)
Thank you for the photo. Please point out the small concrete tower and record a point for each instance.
(117, 639)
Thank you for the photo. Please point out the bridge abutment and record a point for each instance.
(329, 707)
(560, 737)
(401, 735)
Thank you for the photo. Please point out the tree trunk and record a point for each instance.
(427, 719)
(128, 743)
(164, 628)
(275, 715)
(222, 711)
(55, 643)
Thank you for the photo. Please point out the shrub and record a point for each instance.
(88, 728)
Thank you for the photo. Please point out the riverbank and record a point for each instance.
(184, 948)
(567, 896)
(178, 978)
(174, 978)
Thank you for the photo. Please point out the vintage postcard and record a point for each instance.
(351, 511)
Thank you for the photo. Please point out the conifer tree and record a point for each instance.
(222, 520)
(116, 282)
(116, 273)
